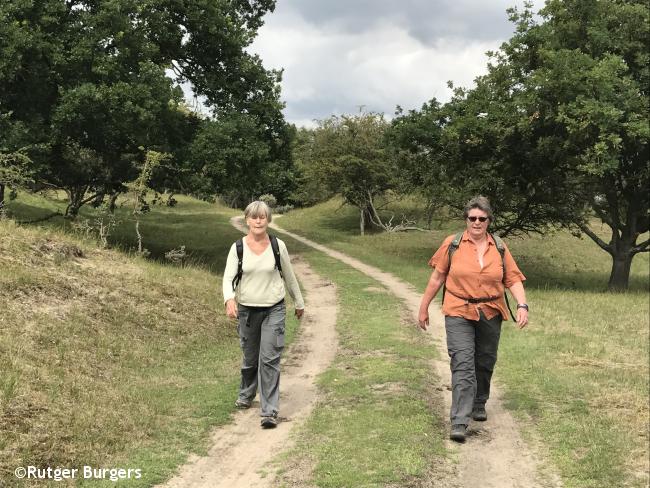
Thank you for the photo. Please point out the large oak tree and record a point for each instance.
(556, 131)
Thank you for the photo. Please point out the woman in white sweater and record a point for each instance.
(254, 294)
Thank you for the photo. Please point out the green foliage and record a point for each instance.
(224, 164)
(14, 170)
(347, 155)
(84, 86)
(269, 199)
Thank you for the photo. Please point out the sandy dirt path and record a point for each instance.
(495, 455)
(241, 452)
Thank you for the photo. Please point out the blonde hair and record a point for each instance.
(257, 208)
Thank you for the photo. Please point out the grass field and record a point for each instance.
(108, 359)
(577, 378)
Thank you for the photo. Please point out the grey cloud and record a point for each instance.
(426, 20)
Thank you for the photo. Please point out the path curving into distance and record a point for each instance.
(241, 452)
(494, 455)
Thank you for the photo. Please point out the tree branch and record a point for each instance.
(606, 247)
(643, 247)
(83, 202)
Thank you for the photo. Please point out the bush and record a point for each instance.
(283, 208)
(270, 200)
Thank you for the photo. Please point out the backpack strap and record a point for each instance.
(276, 254)
(502, 251)
(239, 245)
(453, 247)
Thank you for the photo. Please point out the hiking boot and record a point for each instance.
(243, 404)
(479, 414)
(269, 422)
(458, 432)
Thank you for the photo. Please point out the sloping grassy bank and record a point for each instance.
(578, 376)
(110, 360)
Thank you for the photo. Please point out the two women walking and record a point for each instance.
(473, 267)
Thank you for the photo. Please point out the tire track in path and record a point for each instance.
(241, 451)
(495, 455)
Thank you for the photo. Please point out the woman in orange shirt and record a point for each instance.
(474, 308)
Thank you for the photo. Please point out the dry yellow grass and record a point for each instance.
(99, 353)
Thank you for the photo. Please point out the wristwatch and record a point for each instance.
(523, 305)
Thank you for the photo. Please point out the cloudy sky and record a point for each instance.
(338, 55)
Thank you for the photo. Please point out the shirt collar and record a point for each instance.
(489, 238)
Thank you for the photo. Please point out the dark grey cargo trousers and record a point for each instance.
(472, 346)
(261, 337)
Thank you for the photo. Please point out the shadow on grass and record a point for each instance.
(543, 273)
(205, 232)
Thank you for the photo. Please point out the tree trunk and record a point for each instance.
(362, 221)
(111, 202)
(2, 195)
(619, 279)
(75, 197)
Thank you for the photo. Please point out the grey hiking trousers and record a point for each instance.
(472, 346)
(261, 337)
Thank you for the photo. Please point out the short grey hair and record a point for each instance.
(480, 202)
(257, 208)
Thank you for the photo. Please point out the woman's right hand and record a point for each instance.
(231, 309)
(423, 320)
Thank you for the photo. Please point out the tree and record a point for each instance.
(14, 172)
(557, 130)
(309, 188)
(59, 61)
(585, 72)
(347, 155)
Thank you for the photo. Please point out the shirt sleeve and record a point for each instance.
(513, 274)
(229, 274)
(440, 260)
(289, 277)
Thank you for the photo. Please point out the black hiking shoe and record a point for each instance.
(269, 422)
(243, 404)
(458, 432)
(479, 414)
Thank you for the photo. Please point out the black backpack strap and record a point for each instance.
(276, 254)
(453, 247)
(239, 245)
(502, 251)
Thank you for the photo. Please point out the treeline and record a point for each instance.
(554, 134)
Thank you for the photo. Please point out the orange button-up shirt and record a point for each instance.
(467, 279)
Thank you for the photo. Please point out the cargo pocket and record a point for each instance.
(243, 326)
(279, 337)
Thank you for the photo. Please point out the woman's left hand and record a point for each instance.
(522, 317)
(299, 312)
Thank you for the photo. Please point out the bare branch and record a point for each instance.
(585, 228)
(643, 247)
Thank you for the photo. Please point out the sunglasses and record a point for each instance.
(474, 218)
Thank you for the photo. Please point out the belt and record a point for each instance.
(475, 300)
